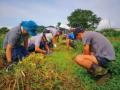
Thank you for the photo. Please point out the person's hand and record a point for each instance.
(48, 52)
(55, 45)
(44, 52)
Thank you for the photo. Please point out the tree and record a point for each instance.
(4, 30)
(84, 18)
(58, 24)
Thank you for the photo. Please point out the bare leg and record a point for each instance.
(86, 61)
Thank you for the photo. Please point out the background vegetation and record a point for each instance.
(85, 18)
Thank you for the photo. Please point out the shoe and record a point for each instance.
(99, 71)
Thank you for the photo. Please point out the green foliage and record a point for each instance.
(110, 32)
(58, 24)
(3, 30)
(40, 29)
(85, 18)
(1, 41)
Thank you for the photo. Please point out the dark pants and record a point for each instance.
(31, 48)
(102, 61)
(50, 44)
(18, 53)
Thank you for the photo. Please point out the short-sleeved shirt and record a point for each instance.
(71, 36)
(49, 36)
(35, 40)
(13, 37)
(100, 45)
(52, 30)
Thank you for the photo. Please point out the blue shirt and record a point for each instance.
(71, 36)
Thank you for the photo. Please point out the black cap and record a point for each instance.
(78, 30)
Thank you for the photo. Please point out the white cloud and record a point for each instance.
(104, 24)
(64, 26)
(50, 12)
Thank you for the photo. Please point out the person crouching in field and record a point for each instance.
(49, 39)
(12, 45)
(38, 44)
(55, 34)
(70, 40)
(97, 51)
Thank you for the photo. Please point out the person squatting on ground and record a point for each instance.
(14, 50)
(97, 51)
(55, 34)
(70, 40)
(38, 44)
(49, 39)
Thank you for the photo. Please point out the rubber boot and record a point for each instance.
(97, 70)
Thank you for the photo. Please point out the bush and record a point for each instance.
(110, 32)
(4, 30)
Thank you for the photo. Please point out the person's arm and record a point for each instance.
(12, 40)
(26, 41)
(37, 49)
(54, 41)
(47, 47)
(68, 43)
(86, 49)
(9, 53)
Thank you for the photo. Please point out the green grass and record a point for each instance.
(57, 71)
(1, 40)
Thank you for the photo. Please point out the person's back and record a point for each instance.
(35, 39)
(52, 30)
(100, 45)
(13, 37)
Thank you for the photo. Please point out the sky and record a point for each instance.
(50, 12)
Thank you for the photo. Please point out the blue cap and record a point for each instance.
(30, 27)
(71, 36)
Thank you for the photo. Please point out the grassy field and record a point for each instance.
(57, 71)
(1, 40)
